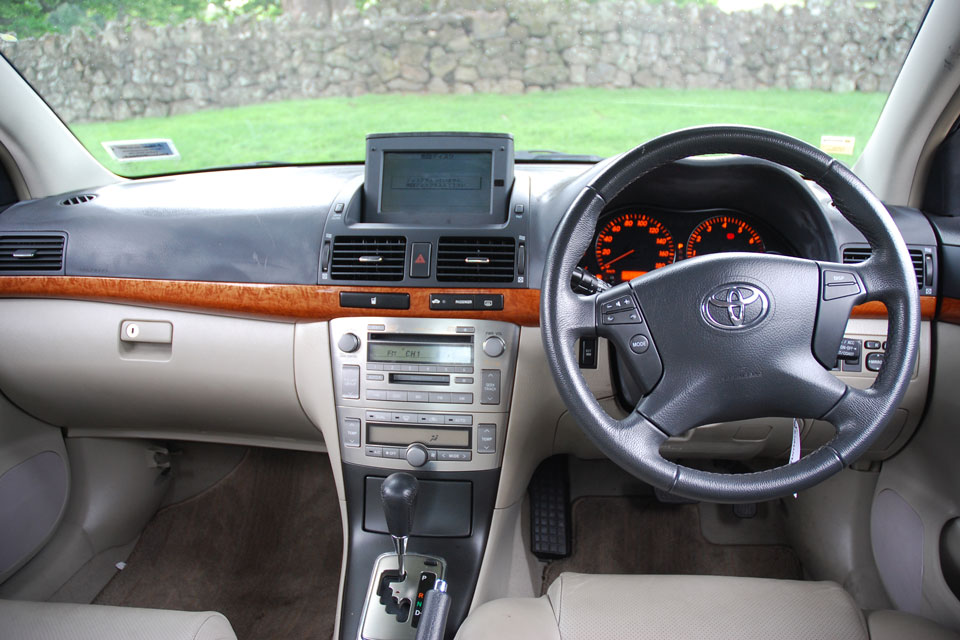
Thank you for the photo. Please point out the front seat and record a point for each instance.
(62, 621)
(604, 607)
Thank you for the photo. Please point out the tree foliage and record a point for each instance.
(29, 18)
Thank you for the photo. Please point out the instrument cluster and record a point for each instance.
(633, 240)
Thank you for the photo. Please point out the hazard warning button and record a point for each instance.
(420, 260)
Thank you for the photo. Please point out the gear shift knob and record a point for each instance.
(398, 494)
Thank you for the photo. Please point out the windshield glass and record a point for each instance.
(161, 86)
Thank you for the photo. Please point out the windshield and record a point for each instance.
(161, 86)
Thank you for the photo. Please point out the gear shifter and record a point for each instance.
(398, 493)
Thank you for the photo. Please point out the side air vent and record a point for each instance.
(81, 199)
(476, 259)
(28, 254)
(368, 257)
(856, 255)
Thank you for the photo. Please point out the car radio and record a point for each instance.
(430, 393)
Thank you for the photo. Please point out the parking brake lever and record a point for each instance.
(436, 607)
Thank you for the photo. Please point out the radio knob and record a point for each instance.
(348, 343)
(417, 455)
(493, 346)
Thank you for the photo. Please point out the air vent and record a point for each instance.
(856, 255)
(368, 257)
(81, 199)
(476, 259)
(31, 253)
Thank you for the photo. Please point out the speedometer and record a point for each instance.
(723, 233)
(630, 244)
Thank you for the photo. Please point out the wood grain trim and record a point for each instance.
(949, 310)
(293, 302)
(928, 307)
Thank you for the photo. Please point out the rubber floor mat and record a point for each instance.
(627, 535)
(263, 547)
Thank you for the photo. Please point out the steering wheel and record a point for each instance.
(732, 336)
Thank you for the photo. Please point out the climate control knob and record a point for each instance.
(417, 455)
(348, 343)
(493, 346)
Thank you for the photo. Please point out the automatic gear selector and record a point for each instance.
(400, 580)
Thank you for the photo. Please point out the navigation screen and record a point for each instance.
(436, 182)
(420, 353)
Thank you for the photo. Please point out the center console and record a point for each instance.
(423, 401)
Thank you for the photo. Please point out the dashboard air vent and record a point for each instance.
(476, 259)
(368, 257)
(856, 255)
(86, 197)
(31, 253)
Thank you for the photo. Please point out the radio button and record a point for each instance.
(466, 329)
(463, 370)
(390, 452)
(486, 438)
(392, 367)
(447, 369)
(418, 396)
(463, 380)
(350, 381)
(461, 398)
(432, 454)
(430, 418)
(439, 396)
(397, 396)
(406, 418)
(373, 452)
(459, 420)
(428, 368)
(409, 368)
(375, 377)
(348, 343)
(376, 394)
(490, 386)
(493, 347)
(374, 366)
(378, 416)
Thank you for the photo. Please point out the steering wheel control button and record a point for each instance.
(735, 306)
(588, 352)
(493, 347)
(849, 349)
(871, 344)
(831, 278)
(348, 343)
(835, 291)
(486, 438)
(490, 386)
(874, 361)
(619, 304)
(639, 344)
(628, 316)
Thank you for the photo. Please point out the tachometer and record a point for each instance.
(630, 244)
(723, 233)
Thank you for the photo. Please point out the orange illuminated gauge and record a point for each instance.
(721, 234)
(630, 244)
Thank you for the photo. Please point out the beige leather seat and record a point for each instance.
(60, 621)
(602, 607)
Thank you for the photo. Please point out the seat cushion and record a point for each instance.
(600, 607)
(62, 621)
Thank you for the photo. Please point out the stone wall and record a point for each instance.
(464, 46)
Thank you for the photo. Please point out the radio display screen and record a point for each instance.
(419, 353)
(381, 434)
(457, 182)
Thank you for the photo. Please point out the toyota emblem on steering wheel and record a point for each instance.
(735, 306)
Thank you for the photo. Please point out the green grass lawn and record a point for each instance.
(594, 121)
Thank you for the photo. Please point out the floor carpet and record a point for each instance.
(642, 536)
(263, 547)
